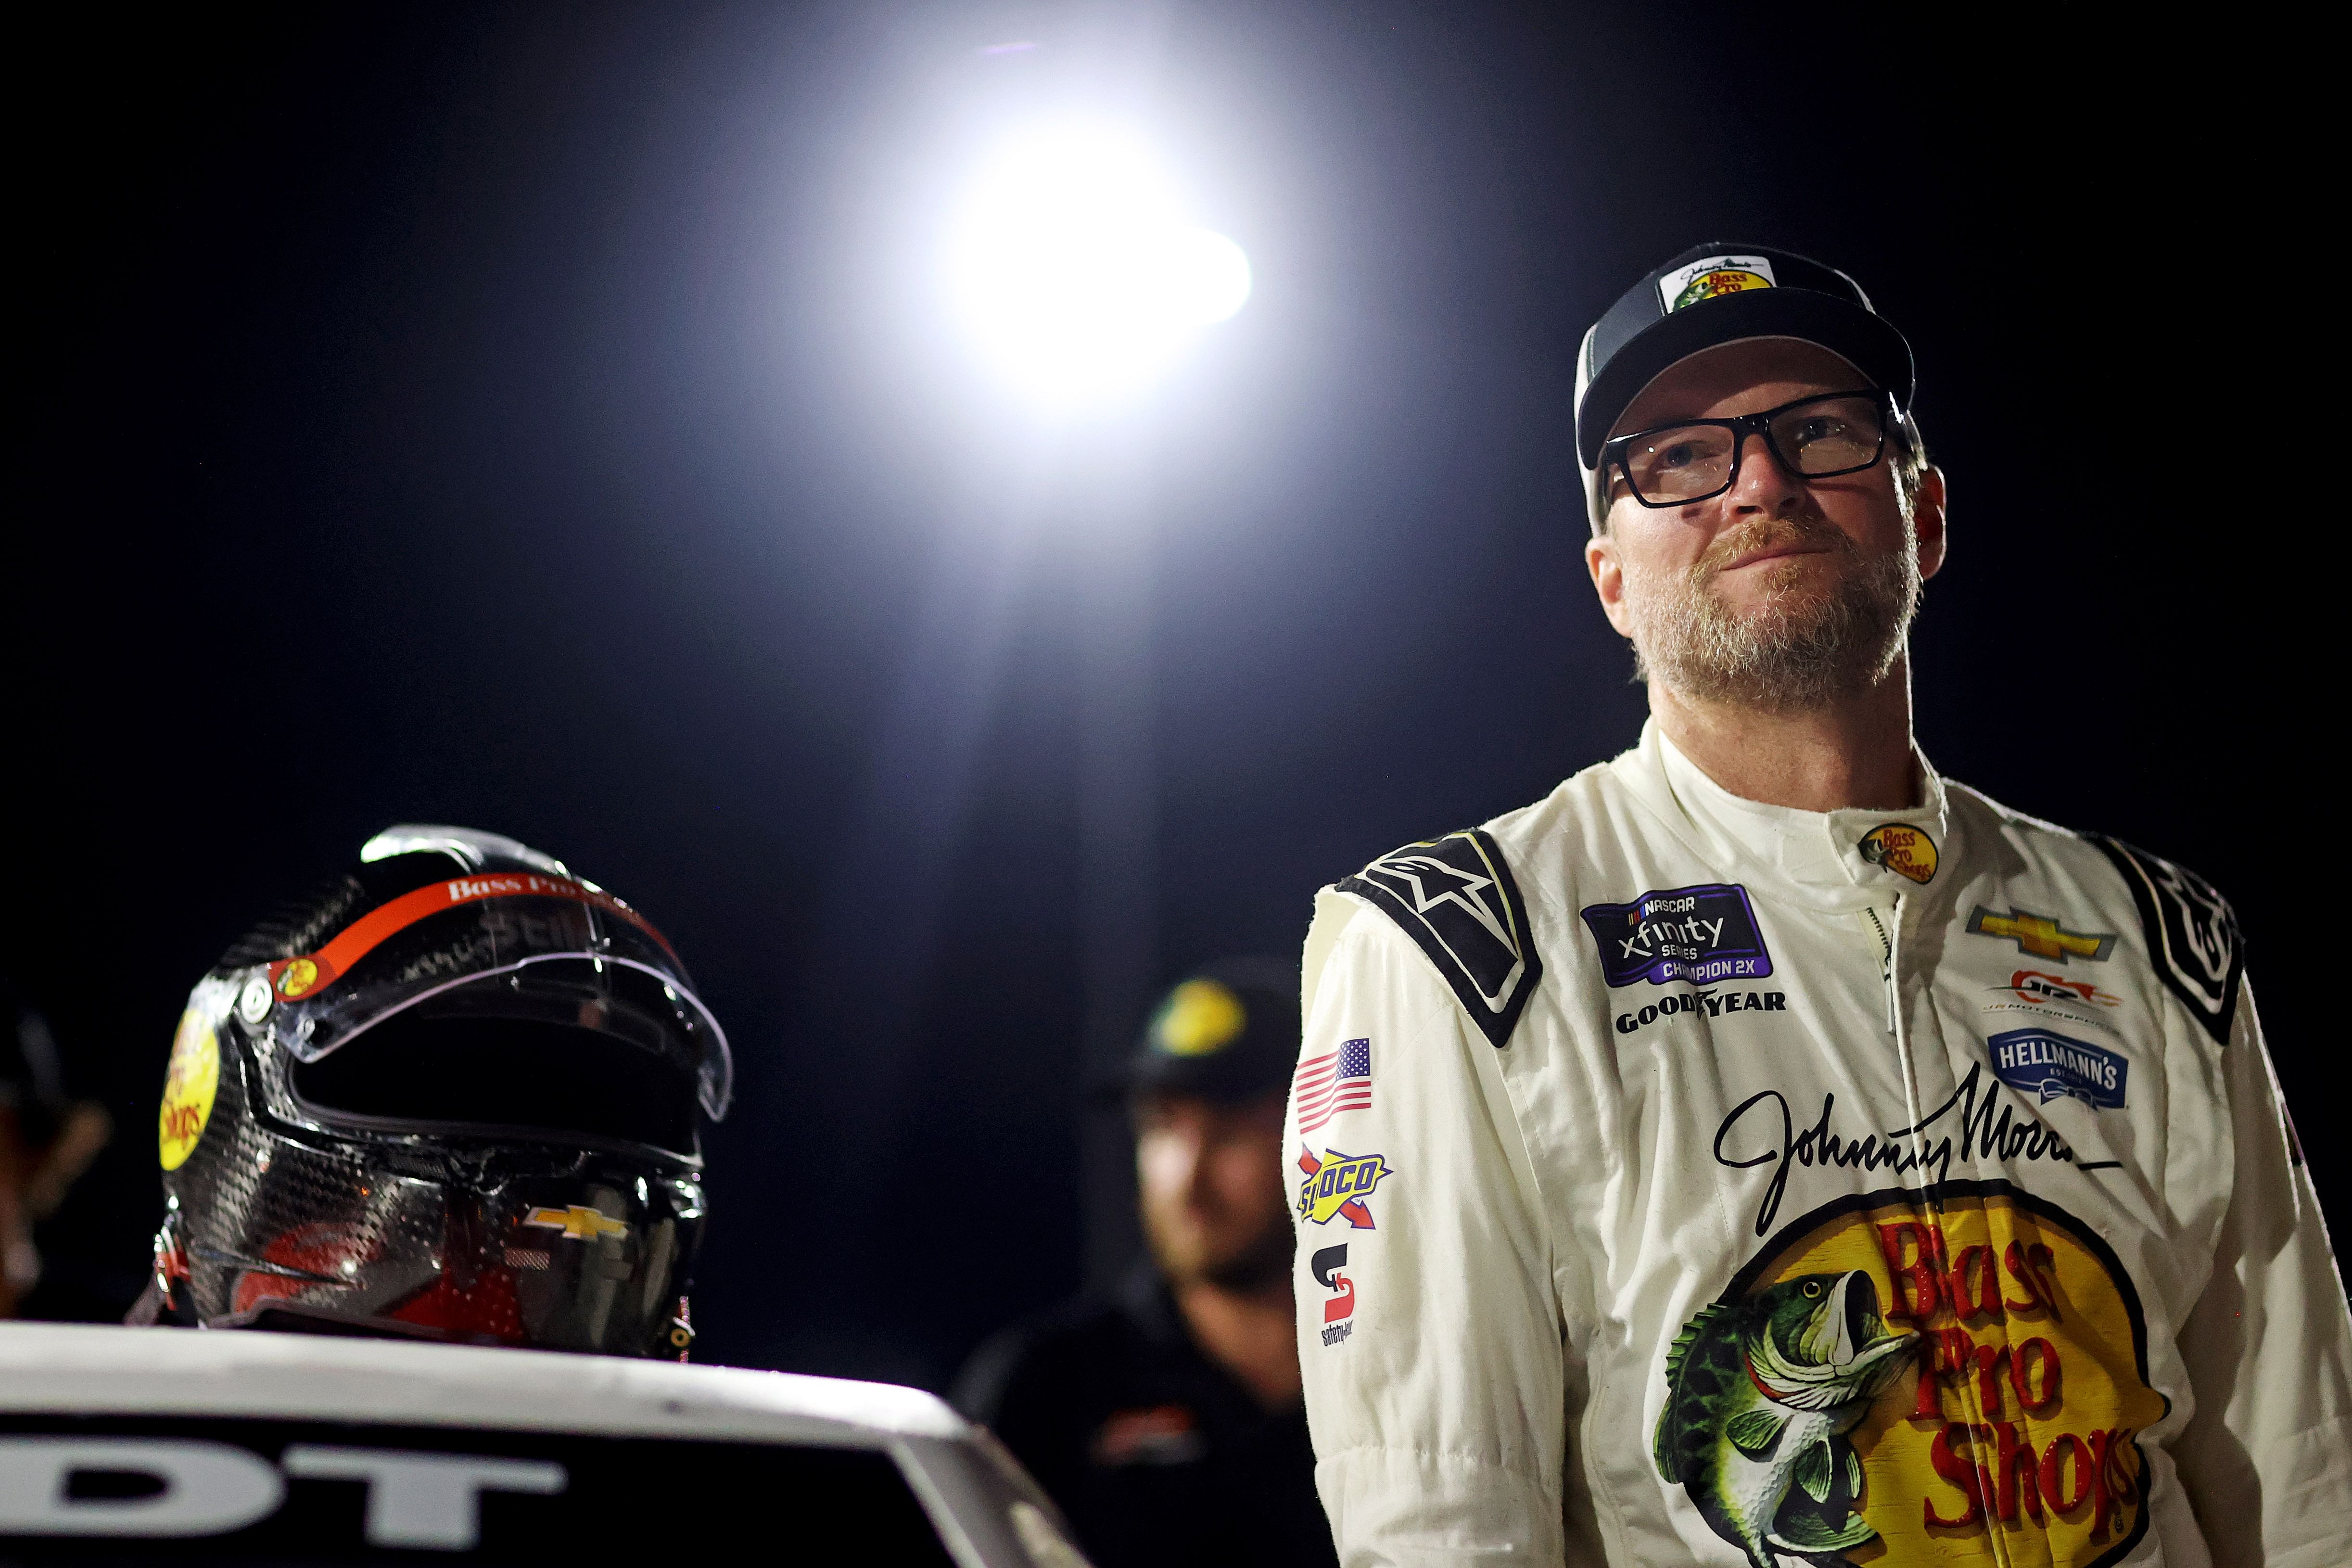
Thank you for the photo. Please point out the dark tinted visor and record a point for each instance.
(430, 1071)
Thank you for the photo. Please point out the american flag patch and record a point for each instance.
(1328, 1085)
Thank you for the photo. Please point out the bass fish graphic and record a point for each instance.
(1760, 1395)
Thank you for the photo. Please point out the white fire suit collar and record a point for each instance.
(1821, 852)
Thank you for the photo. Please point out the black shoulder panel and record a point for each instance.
(1454, 896)
(2192, 935)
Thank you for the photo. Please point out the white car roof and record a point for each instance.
(987, 1511)
(82, 1368)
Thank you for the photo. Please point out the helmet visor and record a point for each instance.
(522, 945)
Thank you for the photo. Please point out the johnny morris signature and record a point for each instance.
(1986, 1129)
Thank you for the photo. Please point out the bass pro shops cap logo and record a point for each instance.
(1337, 1186)
(1903, 849)
(1711, 277)
(1702, 935)
(1890, 1383)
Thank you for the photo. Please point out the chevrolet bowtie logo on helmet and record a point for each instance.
(578, 1222)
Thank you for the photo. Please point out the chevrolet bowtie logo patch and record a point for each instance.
(578, 1223)
(2042, 936)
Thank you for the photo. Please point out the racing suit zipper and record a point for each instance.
(1890, 940)
(1886, 962)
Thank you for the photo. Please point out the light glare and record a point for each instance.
(1075, 272)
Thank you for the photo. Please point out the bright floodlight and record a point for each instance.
(1075, 270)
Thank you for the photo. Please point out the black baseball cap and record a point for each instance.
(1228, 1033)
(1720, 293)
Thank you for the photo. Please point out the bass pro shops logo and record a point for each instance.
(1887, 1381)
(1701, 934)
(1711, 277)
(1337, 1186)
(1903, 849)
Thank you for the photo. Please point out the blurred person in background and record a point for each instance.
(1166, 1419)
(48, 1139)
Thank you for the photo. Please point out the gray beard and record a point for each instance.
(1790, 657)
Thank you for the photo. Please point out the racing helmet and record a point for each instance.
(454, 1094)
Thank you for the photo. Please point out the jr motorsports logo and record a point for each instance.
(1702, 935)
(1891, 1382)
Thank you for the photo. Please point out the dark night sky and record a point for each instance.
(536, 417)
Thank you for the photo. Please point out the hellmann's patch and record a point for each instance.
(2048, 1065)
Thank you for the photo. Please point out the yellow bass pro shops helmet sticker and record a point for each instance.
(1898, 1378)
(189, 1085)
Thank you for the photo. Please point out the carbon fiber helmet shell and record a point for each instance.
(454, 1094)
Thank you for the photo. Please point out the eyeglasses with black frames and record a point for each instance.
(1698, 459)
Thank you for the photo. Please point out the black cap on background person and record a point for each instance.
(1164, 1415)
(1230, 1033)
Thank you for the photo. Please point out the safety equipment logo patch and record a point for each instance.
(1455, 897)
(2192, 934)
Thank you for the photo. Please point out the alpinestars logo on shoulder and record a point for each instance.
(1455, 897)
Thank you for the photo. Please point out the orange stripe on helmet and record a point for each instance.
(295, 978)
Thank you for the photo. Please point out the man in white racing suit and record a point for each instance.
(1767, 1151)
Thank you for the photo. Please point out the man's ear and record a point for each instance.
(1927, 520)
(1608, 580)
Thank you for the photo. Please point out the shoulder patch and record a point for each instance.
(2192, 934)
(1455, 897)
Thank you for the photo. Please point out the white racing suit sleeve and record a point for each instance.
(2266, 1458)
(1438, 1414)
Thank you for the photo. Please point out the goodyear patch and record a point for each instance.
(1906, 850)
(1711, 277)
(1956, 1376)
(190, 1083)
(2048, 1065)
(1337, 1186)
(1702, 935)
